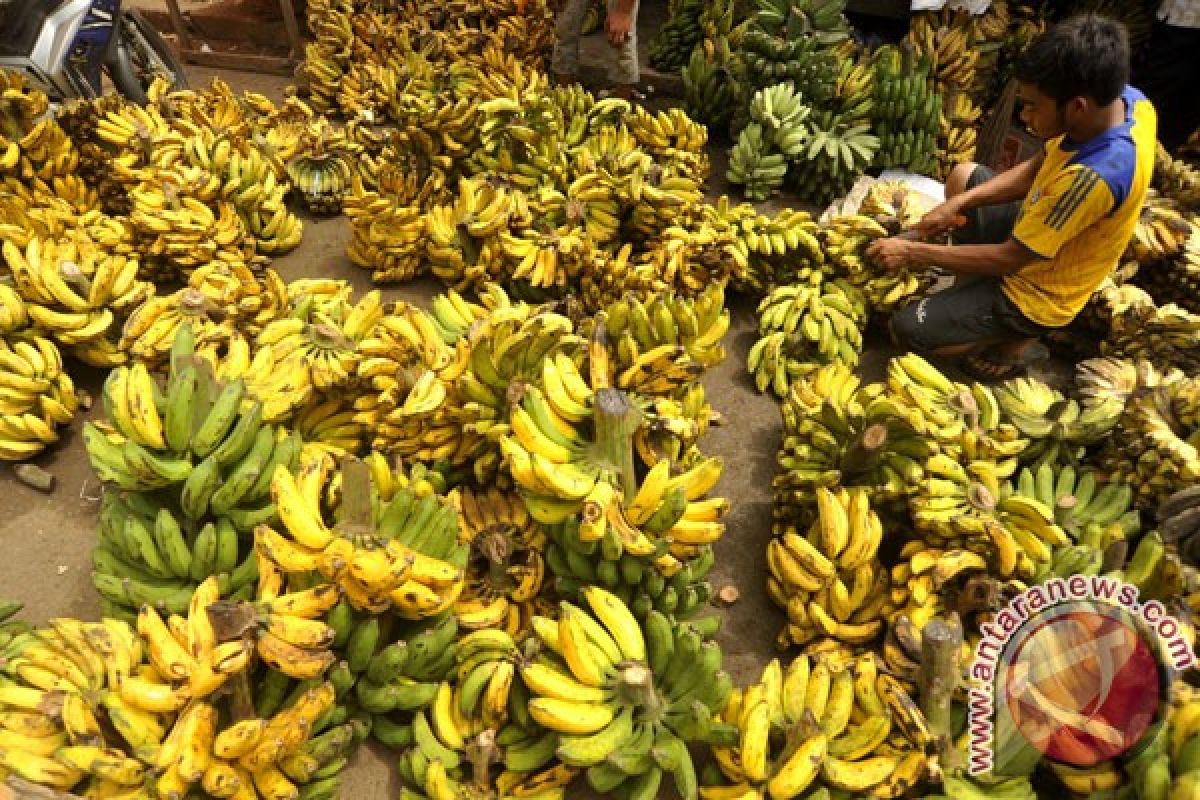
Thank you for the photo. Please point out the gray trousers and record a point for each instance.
(622, 68)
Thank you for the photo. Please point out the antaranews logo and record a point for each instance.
(1075, 669)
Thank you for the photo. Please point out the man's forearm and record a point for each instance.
(1009, 185)
(972, 259)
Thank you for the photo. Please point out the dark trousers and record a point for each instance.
(1168, 75)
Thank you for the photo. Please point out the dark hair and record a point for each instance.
(1084, 56)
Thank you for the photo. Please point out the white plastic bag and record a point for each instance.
(973, 6)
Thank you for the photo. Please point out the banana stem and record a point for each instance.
(358, 517)
(941, 646)
(864, 451)
(14, 788)
(617, 419)
(637, 683)
(1064, 510)
(241, 706)
(482, 753)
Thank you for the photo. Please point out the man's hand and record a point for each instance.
(617, 24)
(941, 219)
(892, 253)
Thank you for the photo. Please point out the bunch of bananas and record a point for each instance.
(906, 110)
(802, 42)
(1175, 279)
(1176, 519)
(819, 727)
(399, 671)
(407, 380)
(952, 61)
(313, 348)
(1162, 231)
(778, 250)
(625, 700)
(1094, 511)
(924, 580)
(966, 506)
(708, 82)
(836, 433)
(1176, 179)
(802, 327)
(156, 687)
(854, 95)
(653, 550)
(1143, 331)
(323, 167)
(506, 567)
(74, 290)
(835, 154)
(678, 36)
(963, 421)
(1152, 450)
(403, 555)
(756, 164)
(194, 476)
(1057, 427)
(662, 343)
(36, 393)
(845, 239)
(830, 582)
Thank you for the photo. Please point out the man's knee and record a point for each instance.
(906, 328)
(960, 174)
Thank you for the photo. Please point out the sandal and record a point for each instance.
(991, 370)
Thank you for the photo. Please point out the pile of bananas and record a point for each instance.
(906, 110)
(838, 433)
(830, 581)
(201, 174)
(821, 726)
(1153, 446)
(952, 59)
(1140, 330)
(1162, 230)
(1175, 280)
(168, 728)
(836, 153)
(626, 697)
(802, 42)
(802, 327)
(36, 393)
(1057, 427)
(678, 36)
(845, 239)
(193, 463)
(1177, 179)
(323, 167)
(708, 83)
(357, 59)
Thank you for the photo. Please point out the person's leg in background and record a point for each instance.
(623, 71)
(565, 60)
(1168, 76)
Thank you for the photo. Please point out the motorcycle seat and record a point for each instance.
(20, 23)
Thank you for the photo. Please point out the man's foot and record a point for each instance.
(1002, 366)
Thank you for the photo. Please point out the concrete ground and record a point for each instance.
(47, 538)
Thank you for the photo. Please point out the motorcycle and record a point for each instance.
(68, 48)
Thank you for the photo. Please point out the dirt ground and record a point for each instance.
(47, 538)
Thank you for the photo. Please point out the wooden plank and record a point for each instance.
(273, 65)
(896, 9)
(293, 30)
(179, 26)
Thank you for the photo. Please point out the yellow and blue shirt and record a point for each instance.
(1080, 214)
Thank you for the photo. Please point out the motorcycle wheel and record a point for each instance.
(142, 54)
